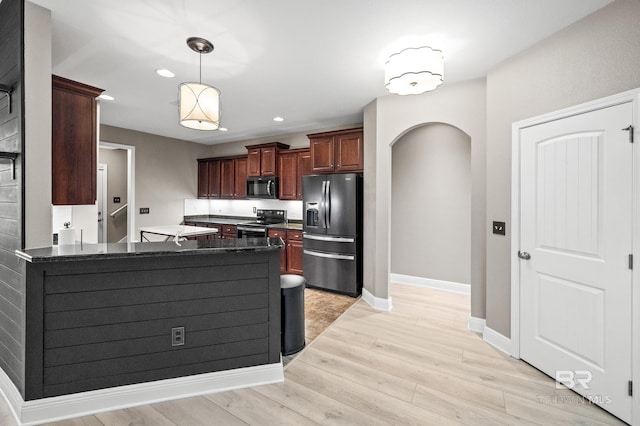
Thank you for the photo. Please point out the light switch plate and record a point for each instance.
(499, 228)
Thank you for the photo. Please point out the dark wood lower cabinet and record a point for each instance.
(291, 258)
(294, 252)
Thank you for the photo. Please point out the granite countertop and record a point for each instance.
(294, 225)
(291, 226)
(147, 249)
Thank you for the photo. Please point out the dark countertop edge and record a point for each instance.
(293, 224)
(187, 248)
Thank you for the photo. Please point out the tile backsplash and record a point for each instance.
(242, 208)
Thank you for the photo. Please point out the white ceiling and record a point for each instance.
(315, 63)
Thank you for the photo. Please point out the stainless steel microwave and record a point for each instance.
(262, 187)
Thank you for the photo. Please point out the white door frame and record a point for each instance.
(104, 197)
(131, 187)
(629, 96)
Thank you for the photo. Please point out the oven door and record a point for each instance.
(252, 231)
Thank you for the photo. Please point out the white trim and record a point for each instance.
(87, 403)
(497, 340)
(105, 198)
(431, 283)
(632, 96)
(132, 232)
(477, 324)
(376, 302)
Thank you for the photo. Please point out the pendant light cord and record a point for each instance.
(200, 67)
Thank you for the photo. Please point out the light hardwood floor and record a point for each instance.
(416, 365)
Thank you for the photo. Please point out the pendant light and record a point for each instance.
(199, 103)
(414, 70)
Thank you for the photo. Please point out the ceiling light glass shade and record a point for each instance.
(414, 70)
(199, 106)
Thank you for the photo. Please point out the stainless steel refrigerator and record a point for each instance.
(332, 238)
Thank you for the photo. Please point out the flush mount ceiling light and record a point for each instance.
(199, 103)
(414, 70)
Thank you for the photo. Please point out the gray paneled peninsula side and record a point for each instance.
(106, 315)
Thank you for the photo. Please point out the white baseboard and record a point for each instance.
(431, 283)
(376, 302)
(86, 403)
(477, 324)
(497, 340)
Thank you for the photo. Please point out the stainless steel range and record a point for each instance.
(258, 228)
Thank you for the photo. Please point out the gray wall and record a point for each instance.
(431, 204)
(116, 161)
(389, 118)
(166, 173)
(596, 57)
(11, 202)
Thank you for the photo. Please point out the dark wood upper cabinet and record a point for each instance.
(293, 165)
(337, 152)
(322, 154)
(348, 152)
(73, 142)
(288, 175)
(241, 177)
(263, 159)
(227, 178)
(222, 177)
(304, 168)
(203, 179)
(214, 179)
(253, 162)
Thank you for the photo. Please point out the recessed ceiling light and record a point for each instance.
(163, 72)
(106, 97)
(278, 119)
(223, 129)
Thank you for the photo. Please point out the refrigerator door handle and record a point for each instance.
(329, 204)
(330, 255)
(323, 203)
(332, 239)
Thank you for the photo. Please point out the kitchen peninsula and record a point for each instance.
(101, 316)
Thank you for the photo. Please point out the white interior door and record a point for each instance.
(576, 225)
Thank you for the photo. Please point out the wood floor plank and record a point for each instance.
(375, 403)
(79, 421)
(316, 406)
(196, 411)
(135, 416)
(251, 406)
(361, 373)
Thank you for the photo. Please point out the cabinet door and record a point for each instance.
(214, 179)
(229, 232)
(275, 233)
(322, 154)
(348, 152)
(288, 175)
(227, 178)
(253, 162)
(304, 168)
(240, 178)
(268, 162)
(73, 143)
(294, 252)
(203, 179)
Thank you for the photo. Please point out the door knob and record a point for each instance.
(524, 255)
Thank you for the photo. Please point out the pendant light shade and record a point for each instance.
(414, 70)
(199, 104)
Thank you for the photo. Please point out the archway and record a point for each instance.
(431, 207)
